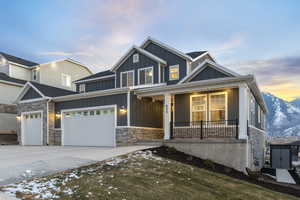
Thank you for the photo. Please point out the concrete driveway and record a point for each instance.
(18, 163)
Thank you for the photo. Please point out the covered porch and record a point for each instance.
(203, 111)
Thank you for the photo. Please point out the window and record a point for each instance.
(35, 75)
(214, 110)
(198, 107)
(174, 72)
(66, 80)
(252, 110)
(217, 110)
(81, 88)
(135, 58)
(146, 76)
(127, 79)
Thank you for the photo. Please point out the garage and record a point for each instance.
(31, 128)
(89, 126)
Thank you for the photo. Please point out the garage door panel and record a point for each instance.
(89, 128)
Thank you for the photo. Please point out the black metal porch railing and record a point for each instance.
(205, 129)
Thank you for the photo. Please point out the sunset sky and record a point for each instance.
(257, 37)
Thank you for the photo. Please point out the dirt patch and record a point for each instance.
(264, 181)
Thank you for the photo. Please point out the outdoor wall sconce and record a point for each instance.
(57, 115)
(123, 110)
(18, 117)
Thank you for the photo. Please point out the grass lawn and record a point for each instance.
(140, 175)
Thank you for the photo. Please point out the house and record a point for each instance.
(15, 72)
(153, 92)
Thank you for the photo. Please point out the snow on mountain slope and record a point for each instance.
(283, 118)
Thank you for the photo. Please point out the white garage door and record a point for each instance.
(89, 127)
(32, 129)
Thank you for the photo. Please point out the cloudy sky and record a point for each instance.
(257, 37)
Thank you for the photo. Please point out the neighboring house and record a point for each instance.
(154, 92)
(15, 72)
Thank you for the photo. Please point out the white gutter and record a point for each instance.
(93, 79)
(91, 94)
(195, 83)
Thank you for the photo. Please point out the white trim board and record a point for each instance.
(25, 89)
(167, 47)
(144, 68)
(94, 79)
(12, 83)
(207, 63)
(130, 52)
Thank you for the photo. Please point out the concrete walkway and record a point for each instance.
(19, 163)
(283, 176)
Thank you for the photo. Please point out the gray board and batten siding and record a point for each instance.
(182, 105)
(118, 99)
(170, 58)
(144, 62)
(31, 94)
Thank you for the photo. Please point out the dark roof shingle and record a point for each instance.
(51, 91)
(4, 77)
(97, 75)
(196, 54)
(18, 60)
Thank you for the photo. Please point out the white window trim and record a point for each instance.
(83, 85)
(191, 105)
(208, 105)
(226, 104)
(135, 55)
(66, 75)
(145, 75)
(126, 72)
(170, 67)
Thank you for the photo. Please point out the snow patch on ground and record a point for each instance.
(43, 188)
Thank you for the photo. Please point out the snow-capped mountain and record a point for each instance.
(283, 118)
(296, 102)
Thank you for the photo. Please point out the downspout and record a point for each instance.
(47, 112)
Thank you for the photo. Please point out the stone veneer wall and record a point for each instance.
(131, 135)
(256, 148)
(34, 106)
(54, 133)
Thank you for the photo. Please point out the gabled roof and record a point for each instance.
(69, 60)
(46, 91)
(5, 78)
(99, 75)
(140, 50)
(51, 91)
(196, 54)
(167, 47)
(18, 60)
(205, 64)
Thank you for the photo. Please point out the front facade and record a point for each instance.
(154, 92)
(15, 72)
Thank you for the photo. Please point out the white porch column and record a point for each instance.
(243, 111)
(167, 116)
